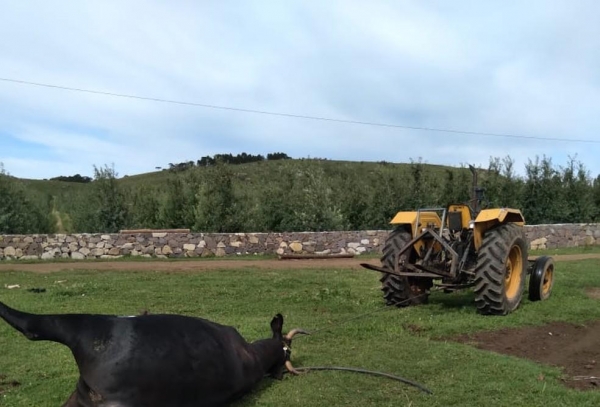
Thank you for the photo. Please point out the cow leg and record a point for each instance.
(82, 396)
(72, 401)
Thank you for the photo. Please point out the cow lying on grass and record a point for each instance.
(158, 360)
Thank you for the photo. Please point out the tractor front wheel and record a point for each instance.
(501, 270)
(397, 290)
(541, 279)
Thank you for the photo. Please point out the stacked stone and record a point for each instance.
(163, 244)
(169, 245)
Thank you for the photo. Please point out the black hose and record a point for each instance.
(351, 369)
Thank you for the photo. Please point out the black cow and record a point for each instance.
(158, 360)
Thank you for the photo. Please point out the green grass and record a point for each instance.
(567, 250)
(318, 300)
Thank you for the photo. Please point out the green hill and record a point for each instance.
(301, 195)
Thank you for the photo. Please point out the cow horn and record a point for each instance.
(294, 332)
(290, 368)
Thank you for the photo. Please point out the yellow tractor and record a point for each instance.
(458, 247)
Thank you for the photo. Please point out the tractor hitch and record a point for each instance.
(399, 273)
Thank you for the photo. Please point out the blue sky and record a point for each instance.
(509, 67)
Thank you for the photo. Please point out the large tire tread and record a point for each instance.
(397, 290)
(489, 288)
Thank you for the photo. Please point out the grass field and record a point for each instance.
(566, 250)
(318, 300)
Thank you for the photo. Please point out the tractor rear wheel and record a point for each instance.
(397, 290)
(501, 270)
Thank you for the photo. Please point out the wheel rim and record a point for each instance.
(514, 266)
(547, 280)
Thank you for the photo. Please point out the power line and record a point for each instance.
(297, 116)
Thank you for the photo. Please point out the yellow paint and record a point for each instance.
(547, 278)
(501, 214)
(514, 274)
(428, 218)
(410, 218)
(488, 218)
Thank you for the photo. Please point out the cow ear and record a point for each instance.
(277, 326)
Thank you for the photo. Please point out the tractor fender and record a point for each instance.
(410, 218)
(489, 218)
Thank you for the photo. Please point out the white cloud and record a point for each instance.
(496, 67)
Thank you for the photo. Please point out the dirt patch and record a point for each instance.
(6, 384)
(225, 264)
(574, 348)
(593, 292)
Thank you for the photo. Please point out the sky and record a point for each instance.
(526, 69)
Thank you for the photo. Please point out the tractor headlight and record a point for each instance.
(471, 224)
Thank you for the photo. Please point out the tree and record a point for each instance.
(492, 182)
(350, 195)
(502, 187)
(511, 186)
(273, 201)
(277, 156)
(543, 199)
(111, 211)
(424, 188)
(179, 202)
(217, 207)
(145, 211)
(19, 212)
(390, 192)
(457, 186)
(578, 191)
(312, 201)
(73, 178)
(596, 197)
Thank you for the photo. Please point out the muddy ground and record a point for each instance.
(574, 348)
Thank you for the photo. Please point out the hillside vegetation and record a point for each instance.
(288, 195)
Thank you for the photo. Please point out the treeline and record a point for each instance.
(298, 195)
(243, 158)
(73, 178)
(23, 210)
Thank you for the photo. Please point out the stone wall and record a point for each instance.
(176, 244)
(563, 235)
(162, 244)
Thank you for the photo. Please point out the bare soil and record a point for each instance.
(593, 293)
(208, 265)
(574, 348)
(6, 384)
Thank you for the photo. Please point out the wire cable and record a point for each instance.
(297, 116)
(371, 372)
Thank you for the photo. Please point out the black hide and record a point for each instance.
(156, 360)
